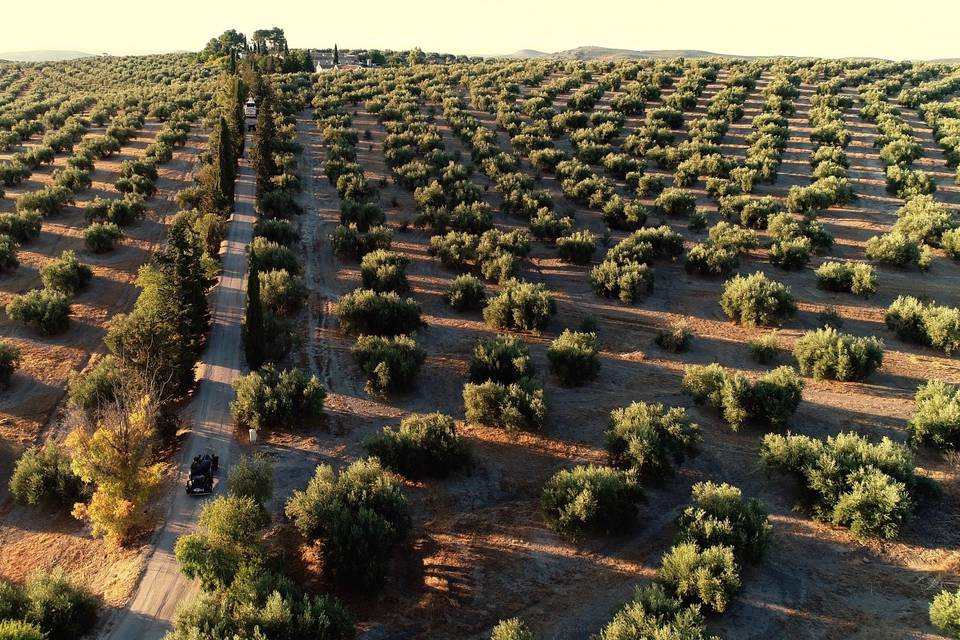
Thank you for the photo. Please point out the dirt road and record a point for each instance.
(162, 587)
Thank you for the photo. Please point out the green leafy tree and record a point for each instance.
(360, 515)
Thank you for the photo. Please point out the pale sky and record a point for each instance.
(922, 29)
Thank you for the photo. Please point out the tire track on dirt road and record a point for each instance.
(162, 586)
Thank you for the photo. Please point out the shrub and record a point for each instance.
(503, 359)
(349, 242)
(46, 310)
(66, 273)
(928, 324)
(424, 444)
(945, 612)
(647, 244)
(854, 277)
(251, 477)
(60, 608)
(905, 317)
(623, 214)
(389, 363)
(650, 185)
(20, 630)
(92, 389)
(677, 202)
(48, 201)
(949, 241)
(790, 254)
(626, 282)
(764, 348)
(466, 293)
(719, 515)
(573, 357)
(697, 221)
(653, 613)
(101, 237)
(548, 226)
(827, 353)
(372, 312)
(648, 439)
(272, 398)
(13, 601)
(455, 249)
(908, 183)
(512, 629)
(520, 305)
(43, 474)
(849, 481)
(474, 217)
(751, 212)
(498, 253)
(279, 203)
(515, 406)
(676, 339)
(8, 253)
(588, 499)
(711, 259)
(893, 248)
(784, 227)
(271, 256)
(384, 271)
(924, 220)
(755, 300)
(281, 292)
(936, 420)
(10, 358)
(276, 230)
(21, 226)
(360, 516)
(732, 237)
(769, 400)
(120, 212)
(578, 247)
(710, 576)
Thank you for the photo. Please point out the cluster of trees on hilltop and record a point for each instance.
(267, 48)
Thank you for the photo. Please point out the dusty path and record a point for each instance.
(162, 586)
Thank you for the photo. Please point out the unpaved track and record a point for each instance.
(162, 587)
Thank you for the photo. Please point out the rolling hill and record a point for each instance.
(607, 53)
(43, 55)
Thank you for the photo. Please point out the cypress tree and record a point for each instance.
(184, 283)
(253, 335)
(237, 99)
(232, 64)
(336, 54)
(181, 262)
(263, 141)
(226, 173)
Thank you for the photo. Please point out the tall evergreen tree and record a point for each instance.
(232, 63)
(264, 139)
(236, 97)
(336, 54)
(227, 164)
(253, 329)
(181, 264)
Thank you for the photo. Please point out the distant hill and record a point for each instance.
(607, 53)
(528, 53)
(43, 55)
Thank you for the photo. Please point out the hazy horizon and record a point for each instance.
(497, 27)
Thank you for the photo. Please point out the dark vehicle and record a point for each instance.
(202, 470)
